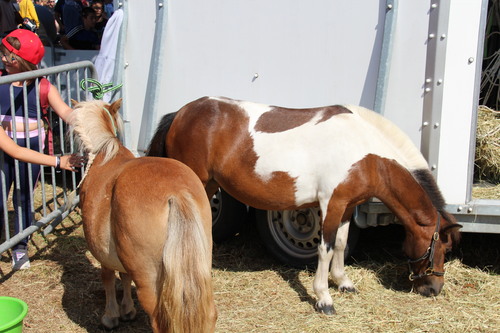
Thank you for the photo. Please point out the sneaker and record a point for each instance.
(20, 259)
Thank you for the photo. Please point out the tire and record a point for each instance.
(228, 215)
(292, 236)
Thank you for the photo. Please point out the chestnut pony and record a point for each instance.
(337, 157)
(149, 219)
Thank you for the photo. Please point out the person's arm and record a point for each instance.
(67, 162)
(64, 40)
(56, 102)
(32, 14)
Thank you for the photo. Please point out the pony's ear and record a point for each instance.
(74, 102)
(115, 106)
(451, 233)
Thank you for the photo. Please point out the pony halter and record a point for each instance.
(428, 254)
(112, 121)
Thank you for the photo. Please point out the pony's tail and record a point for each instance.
(186, 300)
(157, 146)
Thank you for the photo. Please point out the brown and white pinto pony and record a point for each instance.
(337, 157)
(149, 219)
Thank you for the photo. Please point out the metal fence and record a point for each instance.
(49, 200)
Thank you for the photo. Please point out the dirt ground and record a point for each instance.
(254, 293)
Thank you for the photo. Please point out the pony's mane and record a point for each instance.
(425, 178)
(428, 183)
(157, 146)
(93, 129)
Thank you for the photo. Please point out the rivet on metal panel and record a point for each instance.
(255, 76)
(433, 167)
(443, 36)
(428, 80)
(431, 36)
(471, 60)
(439, 82)
(434, 5)
(160, 4)
(427, 89)
(469, 210)
(436, 125)
(425, 124)
(459, 208)
(389, 6)
(120, 4)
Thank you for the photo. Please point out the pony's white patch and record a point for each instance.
(319, 154)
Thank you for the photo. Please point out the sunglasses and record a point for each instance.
(12, 58)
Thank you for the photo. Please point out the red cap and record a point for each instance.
(31, 50)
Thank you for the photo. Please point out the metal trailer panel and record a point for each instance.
(405, 88)
(454, 167)
(139, 63)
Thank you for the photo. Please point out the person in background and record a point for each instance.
(27, 10)
(58, 15)
(83, 37)
(108, 8)
(48, 29)
(22, 51)
(50, 4)
(9, 17)
(72, 14)
(101, 19)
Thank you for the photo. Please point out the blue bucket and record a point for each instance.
(12, 313)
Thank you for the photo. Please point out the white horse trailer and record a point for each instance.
(416, 62)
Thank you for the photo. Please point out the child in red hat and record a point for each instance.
(22, 51)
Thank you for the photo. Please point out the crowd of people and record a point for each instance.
(72, 24)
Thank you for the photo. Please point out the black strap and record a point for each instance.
(428, 254)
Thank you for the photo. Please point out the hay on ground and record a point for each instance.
(487, 160)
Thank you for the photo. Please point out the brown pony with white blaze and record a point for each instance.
(337, 157)
(149, 219)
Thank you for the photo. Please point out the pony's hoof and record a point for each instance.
(129, 316)
(110, 322)
(345, 289)
(325, 309)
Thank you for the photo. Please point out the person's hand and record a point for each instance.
(71, 162)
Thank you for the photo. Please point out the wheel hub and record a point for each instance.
(298, 229)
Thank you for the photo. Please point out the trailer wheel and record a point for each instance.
(228, 215)
(292, 236)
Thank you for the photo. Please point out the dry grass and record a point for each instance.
(486, 191)
(256, 294)
(487, 161)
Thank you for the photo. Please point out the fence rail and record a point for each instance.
(52, 186)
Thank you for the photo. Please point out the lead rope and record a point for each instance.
(99, 89)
